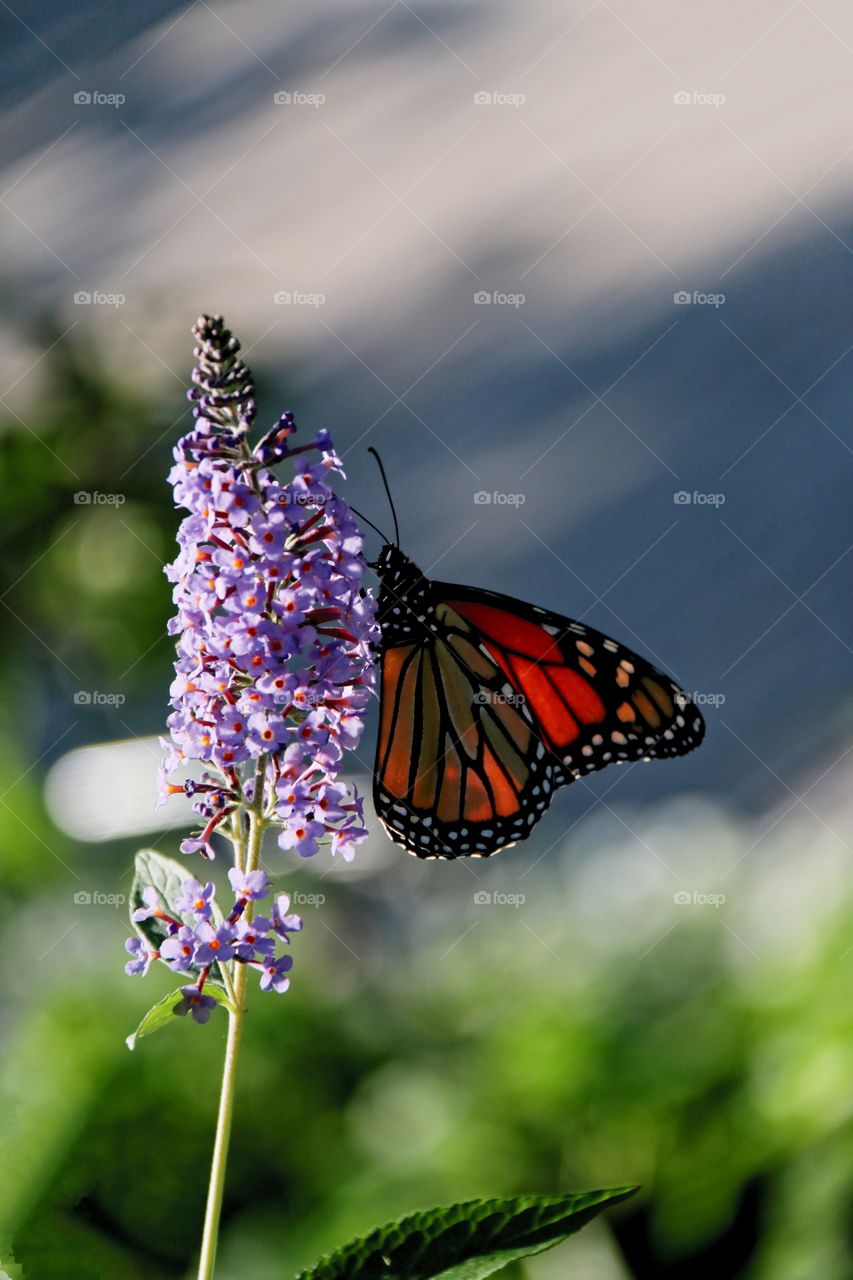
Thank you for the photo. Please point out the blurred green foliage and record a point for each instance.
(417, 1059)
(79, 575)
(422, 1072)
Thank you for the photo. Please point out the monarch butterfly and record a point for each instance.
(488, 705)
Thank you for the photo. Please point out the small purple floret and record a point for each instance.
(274, 974)
(151, 898)
(195, 1002)
(141, 956)
(254, 885)
(179, 950)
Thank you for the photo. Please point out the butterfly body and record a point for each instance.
(488, 704)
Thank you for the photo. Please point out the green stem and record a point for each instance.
(236, 1017)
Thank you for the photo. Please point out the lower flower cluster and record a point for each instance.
(197, 937)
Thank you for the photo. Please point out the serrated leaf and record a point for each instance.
(464, 1241)
(162, 1013)
(166, 875)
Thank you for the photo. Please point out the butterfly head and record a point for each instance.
(404, 592)
(391, 562)
(397, 574)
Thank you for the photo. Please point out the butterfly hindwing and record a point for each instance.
(460, 769)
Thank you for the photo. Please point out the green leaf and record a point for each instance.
(163, 1012)
(166, 876)
(154, 869)
(464, 1241)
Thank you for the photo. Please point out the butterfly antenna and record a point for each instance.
(388, 491)
(373, 526)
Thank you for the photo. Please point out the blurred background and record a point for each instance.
(582, 273)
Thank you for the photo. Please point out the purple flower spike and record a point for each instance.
(276, 644)
(275, 635)
(195, 1002)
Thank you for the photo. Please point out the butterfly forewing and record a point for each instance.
(594, 701)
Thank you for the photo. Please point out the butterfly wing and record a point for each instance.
(460, 768)
(593, 702)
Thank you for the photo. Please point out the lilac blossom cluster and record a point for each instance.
(274, 633)
(275, 650)
(197, 937)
